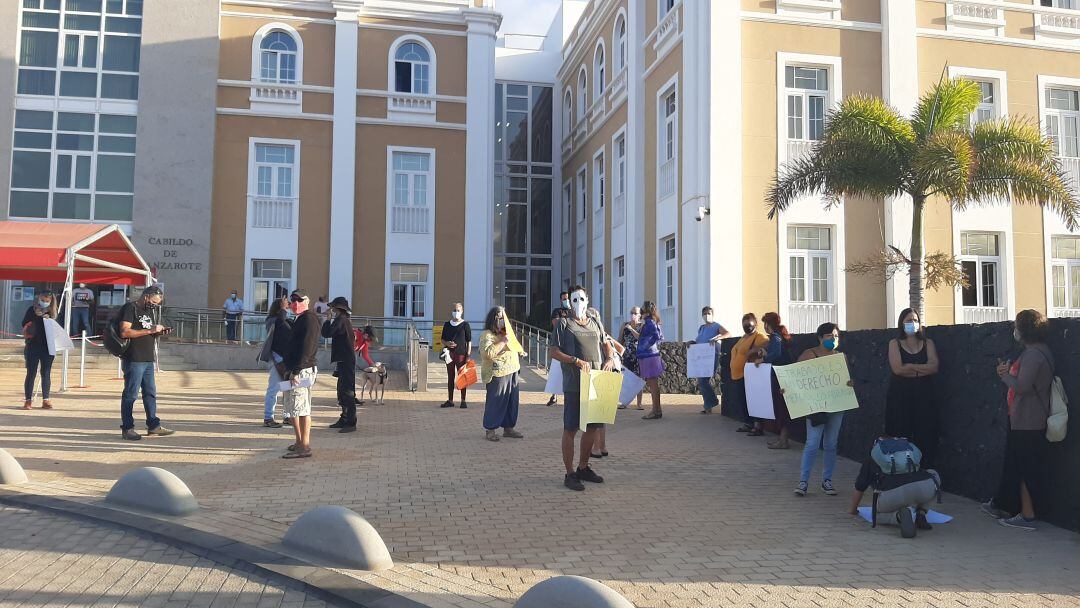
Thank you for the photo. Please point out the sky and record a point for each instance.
(526, 16)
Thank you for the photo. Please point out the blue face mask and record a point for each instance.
(830, 343)
(911, 328)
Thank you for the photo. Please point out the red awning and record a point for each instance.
(39, 251)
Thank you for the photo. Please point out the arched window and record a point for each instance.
(583, 93)
(620, 44)
(568, 113)
(412, 69)
(599, 70)
(278, 58)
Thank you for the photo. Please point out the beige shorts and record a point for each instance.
(297, 402)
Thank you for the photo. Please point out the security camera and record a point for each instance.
(702, 212)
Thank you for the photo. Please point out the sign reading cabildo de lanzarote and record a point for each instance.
(817, 385)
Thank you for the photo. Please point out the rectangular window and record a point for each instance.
(599, 183)
(568, 204)
(620, 288)
(668, 273)
(810, 262)
(668, 149)
(598, 290)
(274, 167)
(807, 95)
(1065, 271)
(411, 205)
(583, 194)
(986, 110)
(980, 261)
(1063, 120)
(409, 290)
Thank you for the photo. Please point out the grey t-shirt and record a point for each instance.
(578, 341)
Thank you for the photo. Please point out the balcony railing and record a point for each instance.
(665, 180)
(980, 15)
(1071, 166)
(1058, 25)
(805, 318)
(1071, 313)
(618, 85)
(412, 103)
(410, 220)
(598, 223)
(668, 27)
(798, 148)
(618, 210)
(268, 212)
(275, 92)
(985, 314)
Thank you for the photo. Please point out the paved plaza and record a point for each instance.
(691, 513)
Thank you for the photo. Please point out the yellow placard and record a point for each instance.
(436, 337)
(512, 341)
(817, 385)
(599, 397)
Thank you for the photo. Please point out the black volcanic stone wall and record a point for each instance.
(971, 401)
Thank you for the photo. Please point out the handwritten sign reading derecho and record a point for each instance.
(817, 385)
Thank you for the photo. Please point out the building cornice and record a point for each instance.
(588, 27)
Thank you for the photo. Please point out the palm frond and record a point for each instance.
(947, 106)
(1027, 183)
(944, 165)
(1011, 139)
(796, 179)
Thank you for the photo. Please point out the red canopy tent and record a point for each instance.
(70, 253)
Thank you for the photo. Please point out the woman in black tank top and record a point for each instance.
(910, 404)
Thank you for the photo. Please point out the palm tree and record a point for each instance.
(869, 150)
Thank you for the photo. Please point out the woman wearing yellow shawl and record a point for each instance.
(499, 366)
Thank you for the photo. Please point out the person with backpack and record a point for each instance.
(277, 338)
(338, 327)
(36, 349)
(1022, 492)
(139, 324)
(899, 484)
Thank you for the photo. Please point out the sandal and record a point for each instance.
(46, 405)
(746, 428)
(291, 448)
(28, 405)
(600, 455)
(651, 416)
(755, 433)
(295, 454)
(779, 444)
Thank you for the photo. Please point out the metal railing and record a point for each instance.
(209, 326)
(535, 341)
(416, 359)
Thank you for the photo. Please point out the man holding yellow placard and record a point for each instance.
(577, 344)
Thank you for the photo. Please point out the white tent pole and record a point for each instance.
(67, 316)
(97, 262)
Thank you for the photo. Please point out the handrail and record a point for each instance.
(208, 325)
(535, 341)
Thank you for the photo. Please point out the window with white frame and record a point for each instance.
(599, 183)
(668, 139)
(408, 284)
(980, 260)
(1065, 272)
(73, 166)
(1073, 4)
(620, 288)
(987, 108)
(412, 69)
(665, 6)
(583, 94)
(81, 48)
(411, 201)
(583, 195)
(277, 58)
(568, 113)
(810, 261)
(568, 207)
(270, 280)
(618, 211)
(620, 44)
(581, 279)
(598, 290)
(599, 70)
(807, 90)
(1063, 120)
(274, 167)
(668, 274)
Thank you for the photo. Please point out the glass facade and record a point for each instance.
(523, 201)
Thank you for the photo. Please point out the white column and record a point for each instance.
(343, 165)
(479, 160)
(636, 234)
(900, 84)
(694, 110)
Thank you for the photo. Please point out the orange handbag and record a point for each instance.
(467, 375)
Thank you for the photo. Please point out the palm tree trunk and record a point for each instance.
(915, 274)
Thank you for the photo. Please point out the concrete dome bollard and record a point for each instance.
(11, 472)
(572, 592)
(155, 490)
(341, 535)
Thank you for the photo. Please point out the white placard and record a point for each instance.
(758, 380)
(56, 337)
(554, 380)
(631, 386)
(932, 516)
(701, 360)
(287, 385)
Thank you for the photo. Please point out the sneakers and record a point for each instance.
(131, 435)
(270, 423)
(339, 424)
(588, 475)
(348, 428)
(160, 431)
(512, 434)
(991, 509)
(827, 487)
(800, 489)
(491, 435)
(447, 404)
(462, 406)
(286, 421)
(571, 481)
(1019, 522)
(551, 401)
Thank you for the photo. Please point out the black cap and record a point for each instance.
(342, 303)
(298, 295)
(153, 290)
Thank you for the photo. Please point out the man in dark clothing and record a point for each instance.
(299, 368)
(562, 312)
(139, 324)
(338, 327)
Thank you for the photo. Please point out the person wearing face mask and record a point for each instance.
(776, 353)
(628, 337)
(338, 327)
(81, 301)
(710, 332)
(648, 355)
(278, 329)
(752, 340)
(499, 366)
(234, 309)
(299, 367)
(822, 430)
(1022, 491)
(910, 403)
(457, 337)
(578, 345)
(140, 325)
(562, 311)
(36, 349)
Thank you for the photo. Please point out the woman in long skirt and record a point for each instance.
(499, 367)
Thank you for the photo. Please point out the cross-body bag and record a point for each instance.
(1057, 424)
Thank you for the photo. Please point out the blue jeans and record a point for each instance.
(273, 387)
(33, 361)
(139, 375)
(826, 434)
(80, 319)
(707, 393)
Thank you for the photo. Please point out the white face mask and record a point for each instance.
(455, 315)
(1016, 335)
(635, 317)
(707, 318)
(579, 303)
